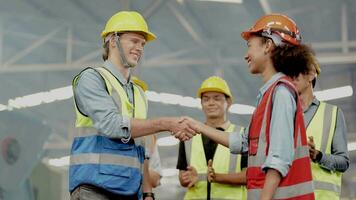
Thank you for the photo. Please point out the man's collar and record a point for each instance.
(112, 68)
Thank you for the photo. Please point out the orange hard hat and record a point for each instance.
(280, 28)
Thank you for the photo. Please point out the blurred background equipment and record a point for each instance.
(21, 138)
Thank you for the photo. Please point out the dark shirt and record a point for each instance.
(209, 149)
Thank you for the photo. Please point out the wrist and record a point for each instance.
(318, 157)
(149, 194)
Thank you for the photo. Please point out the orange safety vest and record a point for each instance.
(297, 184)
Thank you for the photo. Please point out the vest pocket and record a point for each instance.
(116, 158)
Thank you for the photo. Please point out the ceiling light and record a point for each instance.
(59, 162)
(169, 172)
(351, 146)
(334, 93)
(3, 107)
(167, 141)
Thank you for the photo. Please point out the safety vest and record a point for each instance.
(297, 184)
(111, 164)
(223, 162)
(327, 184)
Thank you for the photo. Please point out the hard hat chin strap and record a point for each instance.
(121, 52)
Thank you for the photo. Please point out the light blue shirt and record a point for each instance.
(93, 100)
(281, 149)
(339, 159)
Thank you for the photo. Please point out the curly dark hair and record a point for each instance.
(293, 60)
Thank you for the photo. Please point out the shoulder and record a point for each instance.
(284, 91)
(89, 75)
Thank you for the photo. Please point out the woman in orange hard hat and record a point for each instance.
(276, 143)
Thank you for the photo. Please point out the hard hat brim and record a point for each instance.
(247, 34)
(201, 91)
(149, 36)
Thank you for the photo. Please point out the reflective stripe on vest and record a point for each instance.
(285, 192)
(106, 159)
(298, 181)
(322, 127)
(223, 162)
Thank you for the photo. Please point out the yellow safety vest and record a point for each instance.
(119, 95)
(322, 127)
(223, 162)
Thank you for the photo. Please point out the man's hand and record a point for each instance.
(211, 172)
(312, 151)
(181, 129)
(189, 177)
(193, 124)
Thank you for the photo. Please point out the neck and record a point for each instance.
(268, 72)
(116, 61)
(307, 97)
(216, 122)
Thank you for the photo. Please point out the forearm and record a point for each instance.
(339, 159)
(273, 177)
(335, 162)
(143, 127)
(232, 178)
(154, 178)
(146, 177)
(219, 137)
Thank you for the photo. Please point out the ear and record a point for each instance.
(269, 46)
(312, 74)
(229, 103)
(112, 41)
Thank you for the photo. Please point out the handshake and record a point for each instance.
(184, 128)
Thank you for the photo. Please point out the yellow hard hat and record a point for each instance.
(127, 21)
(316, 64)
(214, 84)
(140, 83)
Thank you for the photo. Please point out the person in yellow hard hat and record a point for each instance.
(108, 159)
(155, 167)
(208, 170)
(327, 134)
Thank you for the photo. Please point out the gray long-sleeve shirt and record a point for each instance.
(93, 100)
(338, 160)
(281, 150)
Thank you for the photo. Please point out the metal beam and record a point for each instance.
(330, 59)
(91, 12)
(89, 56)
(301, 10)
(69, 45)
(174, 54)
(1, 40)
(186, 25)
(152, 8)
(333, 45)
(30, 48)
(344, 28)
(265, 6)
(126, 5)
(31, 36)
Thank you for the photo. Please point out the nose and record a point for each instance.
(139, 47)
